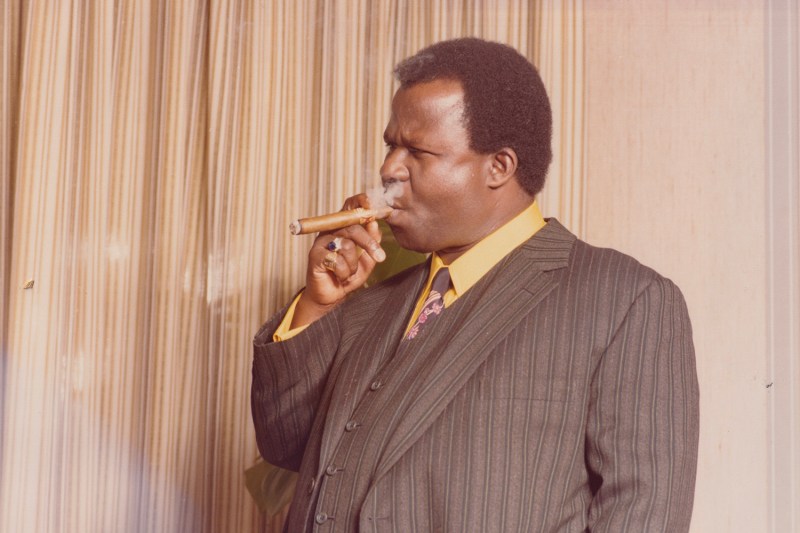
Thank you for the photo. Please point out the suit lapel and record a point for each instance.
(376, 342)
(471, 327)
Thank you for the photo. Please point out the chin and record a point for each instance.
(410, 241)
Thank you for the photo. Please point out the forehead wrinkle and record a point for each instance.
(426, 114)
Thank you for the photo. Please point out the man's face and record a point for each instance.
(444, 192)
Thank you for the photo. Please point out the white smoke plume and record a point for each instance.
(385, 195)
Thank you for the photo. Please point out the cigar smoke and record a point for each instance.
(381, 200)
(385, 195)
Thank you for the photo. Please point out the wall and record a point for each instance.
(677, 159)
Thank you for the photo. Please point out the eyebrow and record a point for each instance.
(405, 141)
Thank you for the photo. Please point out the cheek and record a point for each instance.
(445, 186)
(457, 189)
(432, 199)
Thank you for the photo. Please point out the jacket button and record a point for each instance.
(331, 470)
(321, 518)
(375, 385)
(350, 426)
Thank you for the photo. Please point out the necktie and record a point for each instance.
(434, 303)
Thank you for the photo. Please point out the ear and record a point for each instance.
(502, 167)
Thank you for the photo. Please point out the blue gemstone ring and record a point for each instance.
(335, 245)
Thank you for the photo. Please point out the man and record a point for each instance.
(547, 385)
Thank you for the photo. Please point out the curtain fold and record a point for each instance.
(152, 155)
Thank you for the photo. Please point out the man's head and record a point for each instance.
(505, 102)
(465, 163)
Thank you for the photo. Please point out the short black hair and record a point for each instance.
(505, 102)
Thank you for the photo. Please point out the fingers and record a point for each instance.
(359, 200)
(338, 267)
(366, 237)
(337, 262)
(349, 255)
(341, 258)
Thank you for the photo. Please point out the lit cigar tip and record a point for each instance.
(295, 227)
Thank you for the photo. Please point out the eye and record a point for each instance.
(390, 147)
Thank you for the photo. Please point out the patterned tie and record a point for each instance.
(434, 303)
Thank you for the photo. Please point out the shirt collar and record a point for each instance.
(478, 260)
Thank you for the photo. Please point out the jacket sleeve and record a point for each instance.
(288, 380)
(642, 431)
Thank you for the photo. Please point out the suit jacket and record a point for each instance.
(559, 394)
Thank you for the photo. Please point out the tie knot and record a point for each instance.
(441, 281)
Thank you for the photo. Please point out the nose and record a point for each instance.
(393, 167)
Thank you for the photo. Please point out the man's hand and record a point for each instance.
(346, 270)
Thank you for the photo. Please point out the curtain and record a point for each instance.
(152, 155)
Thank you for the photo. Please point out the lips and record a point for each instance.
(396, 210)
(396, 216)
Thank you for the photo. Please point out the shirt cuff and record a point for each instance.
(285, 331)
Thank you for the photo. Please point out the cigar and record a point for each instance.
(339, 220)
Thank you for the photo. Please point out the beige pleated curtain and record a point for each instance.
(152, 154)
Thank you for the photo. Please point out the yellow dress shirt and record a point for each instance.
(464, 271)
(478, 260)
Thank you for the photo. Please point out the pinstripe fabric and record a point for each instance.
(565, 366)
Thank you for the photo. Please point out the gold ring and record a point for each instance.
(330, 261)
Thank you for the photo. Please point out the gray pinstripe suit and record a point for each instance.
(558, 394)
